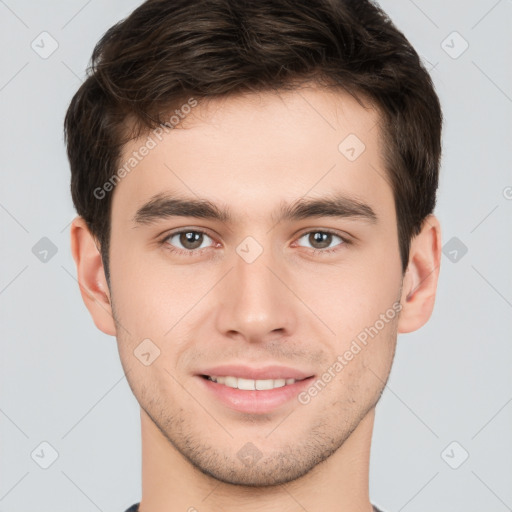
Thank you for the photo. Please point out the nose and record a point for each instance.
(255, 301)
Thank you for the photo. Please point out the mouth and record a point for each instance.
(251, 384)
(253, 396)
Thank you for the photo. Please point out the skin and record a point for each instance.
(290, 306)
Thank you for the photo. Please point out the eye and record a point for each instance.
(192, 241)
(186, 241)
(321, 240)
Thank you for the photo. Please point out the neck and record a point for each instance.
(171, 483)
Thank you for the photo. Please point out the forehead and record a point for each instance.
(257, 151)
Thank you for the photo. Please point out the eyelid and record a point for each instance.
(345, 237)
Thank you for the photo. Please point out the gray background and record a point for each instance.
(61, 379)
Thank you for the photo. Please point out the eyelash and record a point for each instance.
(196, 252)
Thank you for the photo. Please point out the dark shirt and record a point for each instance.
(135, 508)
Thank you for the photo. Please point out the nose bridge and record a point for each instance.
(255, 301)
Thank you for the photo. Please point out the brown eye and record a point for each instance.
(187, 240)
(321, 240)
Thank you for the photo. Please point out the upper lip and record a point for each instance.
(261, 373)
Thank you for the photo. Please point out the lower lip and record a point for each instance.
(252, 401)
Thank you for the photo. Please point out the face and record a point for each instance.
(264, 290)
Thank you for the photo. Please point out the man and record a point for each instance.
(255, 184)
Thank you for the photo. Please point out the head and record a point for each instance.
(247, 110)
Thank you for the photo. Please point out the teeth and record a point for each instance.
(250, 384)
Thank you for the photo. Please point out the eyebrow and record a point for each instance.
(162, 206)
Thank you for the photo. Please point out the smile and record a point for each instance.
(250, 384)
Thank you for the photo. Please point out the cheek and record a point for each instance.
(352, 298)
(153, 306)
(141, 296)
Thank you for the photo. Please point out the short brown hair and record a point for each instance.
(168, 51)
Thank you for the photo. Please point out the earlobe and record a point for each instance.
(420, 280)
(91, 276)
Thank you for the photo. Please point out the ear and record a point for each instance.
(420, 280)
(91, 276)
